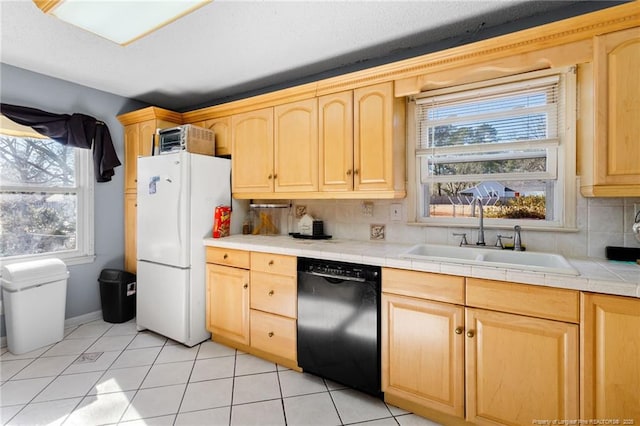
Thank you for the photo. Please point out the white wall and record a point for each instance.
(601, 222)
(21, 87)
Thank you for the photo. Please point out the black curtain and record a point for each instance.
(76, 130)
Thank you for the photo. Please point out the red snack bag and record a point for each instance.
(221, 221)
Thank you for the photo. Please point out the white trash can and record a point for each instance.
(34, 297)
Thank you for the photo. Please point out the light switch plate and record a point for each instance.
(395, 212)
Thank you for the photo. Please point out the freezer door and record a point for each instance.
(162, 300)
(163, 209)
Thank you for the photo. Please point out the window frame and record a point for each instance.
(84, 190)
(565, 196)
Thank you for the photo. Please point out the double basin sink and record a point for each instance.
(471, 255)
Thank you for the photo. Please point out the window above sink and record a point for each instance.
(508, 141)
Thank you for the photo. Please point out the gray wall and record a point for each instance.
(21, 87)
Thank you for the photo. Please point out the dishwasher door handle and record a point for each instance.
(336, 277)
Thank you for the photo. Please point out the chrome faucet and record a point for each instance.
(480, 242)
(517, 240)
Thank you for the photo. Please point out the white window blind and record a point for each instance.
(493, 140)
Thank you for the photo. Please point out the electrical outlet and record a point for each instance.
(367, 208)
(396, 212)
(376, 232)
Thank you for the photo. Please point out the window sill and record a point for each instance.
(69, 260)
(524, 226)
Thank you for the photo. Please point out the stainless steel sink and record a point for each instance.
(469, 255)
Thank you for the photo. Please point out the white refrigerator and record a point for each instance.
(177, 195)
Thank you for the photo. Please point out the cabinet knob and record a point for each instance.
(355, 172)
(245, 286)
(459, 330)
(271, 334)
(270, 177)
(271, 293)
(349, 172)
(225, 256)
(470, 333)
(271, 263)
(275, 176)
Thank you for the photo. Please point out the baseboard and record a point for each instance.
(68, 323)
(82, 319)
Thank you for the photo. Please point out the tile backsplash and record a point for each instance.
(601, 222)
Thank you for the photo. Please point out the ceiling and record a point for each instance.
(228, 49)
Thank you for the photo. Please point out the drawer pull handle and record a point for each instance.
(271, 293)
(459, 330)
(470, 333)
(271, 263)
(245, 286)
(271, 334)
(225, 256)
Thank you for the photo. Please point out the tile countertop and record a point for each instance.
(596, 275)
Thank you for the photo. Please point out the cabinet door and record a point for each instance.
(252, 151)
(519, 368)
(617, 91)
(610, 381)
(227, 307)
(373, 137)
(131, 152)
(296, 146)
(423, 352)
(130, 212)
(222, 129)
(335, 129)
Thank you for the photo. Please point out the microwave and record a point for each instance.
(188, 137)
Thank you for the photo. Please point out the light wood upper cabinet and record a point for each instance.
(336, 141)
(222, 129)
(519, 368)
(610, 139)
(227, 304)
(296, 146)
(373, 147)
(610, 348)
(343, 145)
(252, 151)
(137, 143)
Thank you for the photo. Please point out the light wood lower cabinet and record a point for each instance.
(274, 306)
(423, 354)
(610, 348)
(458, 360)
(519, 369)
(228, 303)
(252, 303)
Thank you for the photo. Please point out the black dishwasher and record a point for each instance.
(339, 322)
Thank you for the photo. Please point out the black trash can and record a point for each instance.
(117, 295)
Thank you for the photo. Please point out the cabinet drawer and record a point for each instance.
(274, 293)
(425, 285)
(229, 257)
(274, 334)
(544, 302)
(274, 263)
